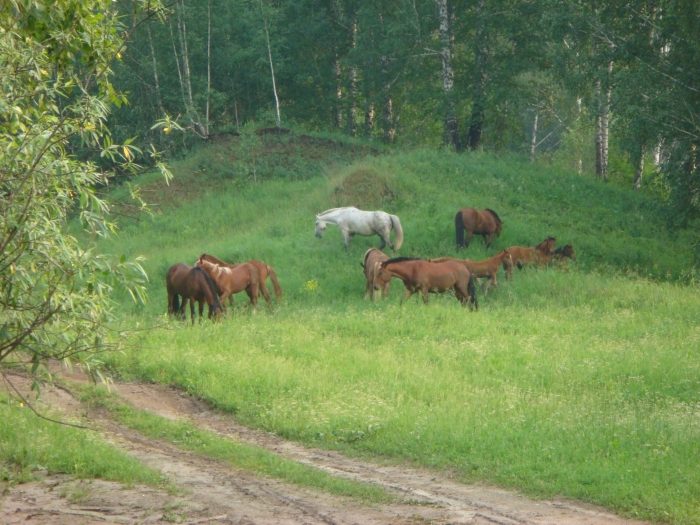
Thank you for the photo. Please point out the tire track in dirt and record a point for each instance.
(454, 502)
(215, 490)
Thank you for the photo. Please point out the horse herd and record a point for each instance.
(212, 280)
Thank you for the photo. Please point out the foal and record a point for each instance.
(540, 255)
(229, 281)
(373, 259)
(487, 268)
(428, 277)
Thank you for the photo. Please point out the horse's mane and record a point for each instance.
(212, 288)
(494, 214)
(400, 259)
(210, 256)
(335, 209)
(564, 248)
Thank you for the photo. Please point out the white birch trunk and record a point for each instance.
(206, 117)
(337, 113)
(159, 99)
(640, 169)
(352, 109)
(533, 144)
(451, 135)
(272, 68)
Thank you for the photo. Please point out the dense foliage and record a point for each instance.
(602, 84)
(55, 95)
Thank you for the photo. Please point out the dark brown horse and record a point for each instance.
(373, 258)
(487, 269)
(229, 281)
(480, 222)
(264, 271)
(564, 252)
(540, 255)
(427, 277)
(194, 285)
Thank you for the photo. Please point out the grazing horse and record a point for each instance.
(481, 222)
(352, 221)
(194, 285)
(427, 277)
(540, 255)
(373, 258)
(564, 252)
(229, 281)
(264, 271)
(487, 269)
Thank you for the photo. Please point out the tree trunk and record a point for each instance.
(159, 99)
(352, 109)
(640, 169)
(602, 127)
(533, 144)
(337, 110)
(657, 154)
(185, 75)
(369, 119)
(451, 134)
(599, 163)
(272, 69)
(482, 52)
(206, 117)
(388, 107)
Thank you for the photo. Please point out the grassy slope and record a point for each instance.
(582, 383)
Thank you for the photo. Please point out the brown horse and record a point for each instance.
(427, 277)
(484, 222)
(194, 285)
(539, 255)
(564, 252)
(373, 258)
(229, 281)
(486, 269)
(264, 271)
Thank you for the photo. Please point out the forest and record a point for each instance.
(605, 86)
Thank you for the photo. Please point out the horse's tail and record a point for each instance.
(396, 223)
(471, 288)
(215, 304)
(176, 304)
(459, 229)
(275, 282)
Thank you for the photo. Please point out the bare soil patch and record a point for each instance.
(213, 489)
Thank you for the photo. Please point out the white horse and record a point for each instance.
(352, 221)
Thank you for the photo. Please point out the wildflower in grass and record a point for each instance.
(311, 286)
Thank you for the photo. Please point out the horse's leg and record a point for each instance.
(469, 238)
(425, 292)
(201, 310)
(191, 309)
(462, 295)
(486, 287)
(171, 296)
(265, 294)
(347, 236)
(382, 244)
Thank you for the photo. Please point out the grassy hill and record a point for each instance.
(581, 382)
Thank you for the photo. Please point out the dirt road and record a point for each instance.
(217, 493)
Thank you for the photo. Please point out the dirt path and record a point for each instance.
(215, 490)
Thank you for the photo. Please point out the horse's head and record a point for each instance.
(320, 227)
(381, 276)
(551, 243)
(568, 251)
(499, 227)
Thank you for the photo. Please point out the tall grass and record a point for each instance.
(582, 383)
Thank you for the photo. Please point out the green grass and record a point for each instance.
(29, 444)
(240, 455)
(583, 383)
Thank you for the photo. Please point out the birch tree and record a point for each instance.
(451, 135)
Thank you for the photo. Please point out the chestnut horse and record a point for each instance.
(540, 254)
(229, 281)
(487, 269)
(373, 258)
(264, 271)
(427, 277)
(484, 222)
(194, 285)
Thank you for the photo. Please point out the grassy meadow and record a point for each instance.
(579, 381)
